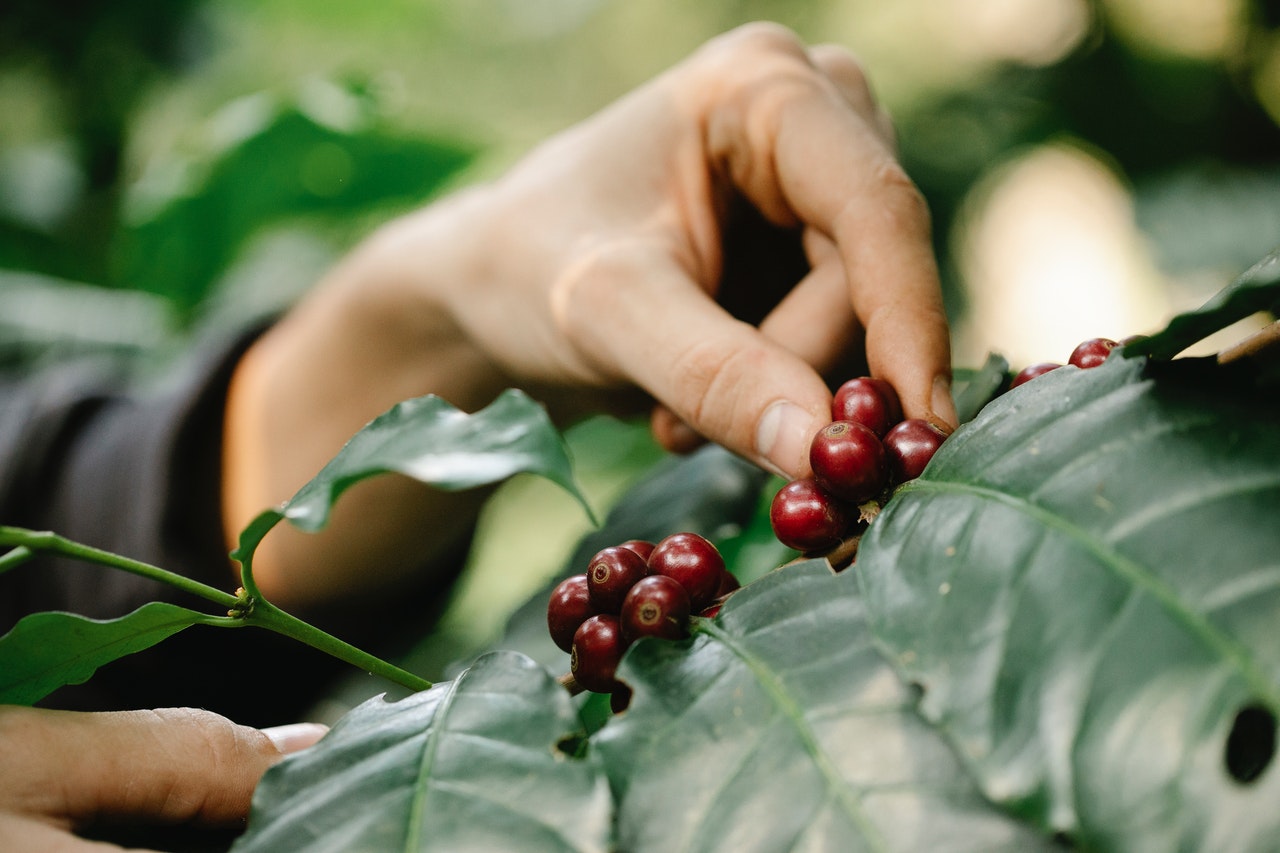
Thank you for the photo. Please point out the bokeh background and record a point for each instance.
(1093, 166)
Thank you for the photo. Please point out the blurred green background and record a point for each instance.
(1092, 166)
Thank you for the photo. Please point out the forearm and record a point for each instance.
(369, 336)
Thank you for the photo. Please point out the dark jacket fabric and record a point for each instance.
(134, 469)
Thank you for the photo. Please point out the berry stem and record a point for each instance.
(1263, 345)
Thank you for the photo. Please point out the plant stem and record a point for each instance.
(34, 540)
(266, 615)
(15, 557)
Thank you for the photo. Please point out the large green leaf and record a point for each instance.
(1086, 584)
(46, 650)
(780, 727)
(1257, 289)
(472, 764)
(287, 164)
(432, 441)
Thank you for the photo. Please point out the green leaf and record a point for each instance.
(288, 165)
(47, 650)
(1257, 289)
(779, 726)
(1086, 584)
(973, 389)
(472, 764)
(433, 442)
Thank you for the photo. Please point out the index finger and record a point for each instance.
(801, 152)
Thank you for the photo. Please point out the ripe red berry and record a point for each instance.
(807, 518)
(597, 647)
(1092, 352)
(619, 698)
(1026, 374)
(870, 402)
(611, 572)
(848, 461)
(657, 606)
(691, 560)
(728, 583)
(910, 445)
(568, 607)
(640, 546)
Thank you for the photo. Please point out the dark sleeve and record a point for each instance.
(88, 456)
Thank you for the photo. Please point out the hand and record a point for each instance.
(590, 274)
(62, 770)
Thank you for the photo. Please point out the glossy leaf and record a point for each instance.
(1257, 289)
(472, 764)
(779, 727)
(432, 441)
(46, 650)
(1086, 584)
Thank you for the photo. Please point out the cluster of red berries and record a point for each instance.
(1090, 353)
(866, 449)
(633, 590)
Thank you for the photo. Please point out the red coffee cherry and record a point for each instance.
(1026, 374)
(657, 606)
(1092, 352)
(597, 647)
(870, 402)
(910, 445)
(640, 546)
(568, 607)
(848, 461)
(691, 560)
(728, 583)
(611, 572)
(808, 518)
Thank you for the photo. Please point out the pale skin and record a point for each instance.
(587, 275)
(63, 770)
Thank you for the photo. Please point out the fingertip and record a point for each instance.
(783, 435)
(672, 433)
(295, 737)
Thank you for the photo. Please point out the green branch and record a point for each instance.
(34, 540)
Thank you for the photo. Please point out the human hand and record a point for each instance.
(608, 243)
(61, 771)
(589, 275)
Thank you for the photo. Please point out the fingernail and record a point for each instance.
(782, 438)
(944, 407)
(295, 736)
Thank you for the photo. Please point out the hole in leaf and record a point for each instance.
(574, 745)
(916, 691)
(1251, 745)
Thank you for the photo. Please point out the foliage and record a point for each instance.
(424, 438)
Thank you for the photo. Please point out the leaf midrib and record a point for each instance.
(790, 710)
(1222, 645)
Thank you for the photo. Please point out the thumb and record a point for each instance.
(649, 323)
(171, 765)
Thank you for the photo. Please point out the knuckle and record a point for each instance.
(712, 380)
(593, 286)
(898, 199)
(839, 64)
(762, 37)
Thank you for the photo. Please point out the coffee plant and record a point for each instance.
(1061, 634)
